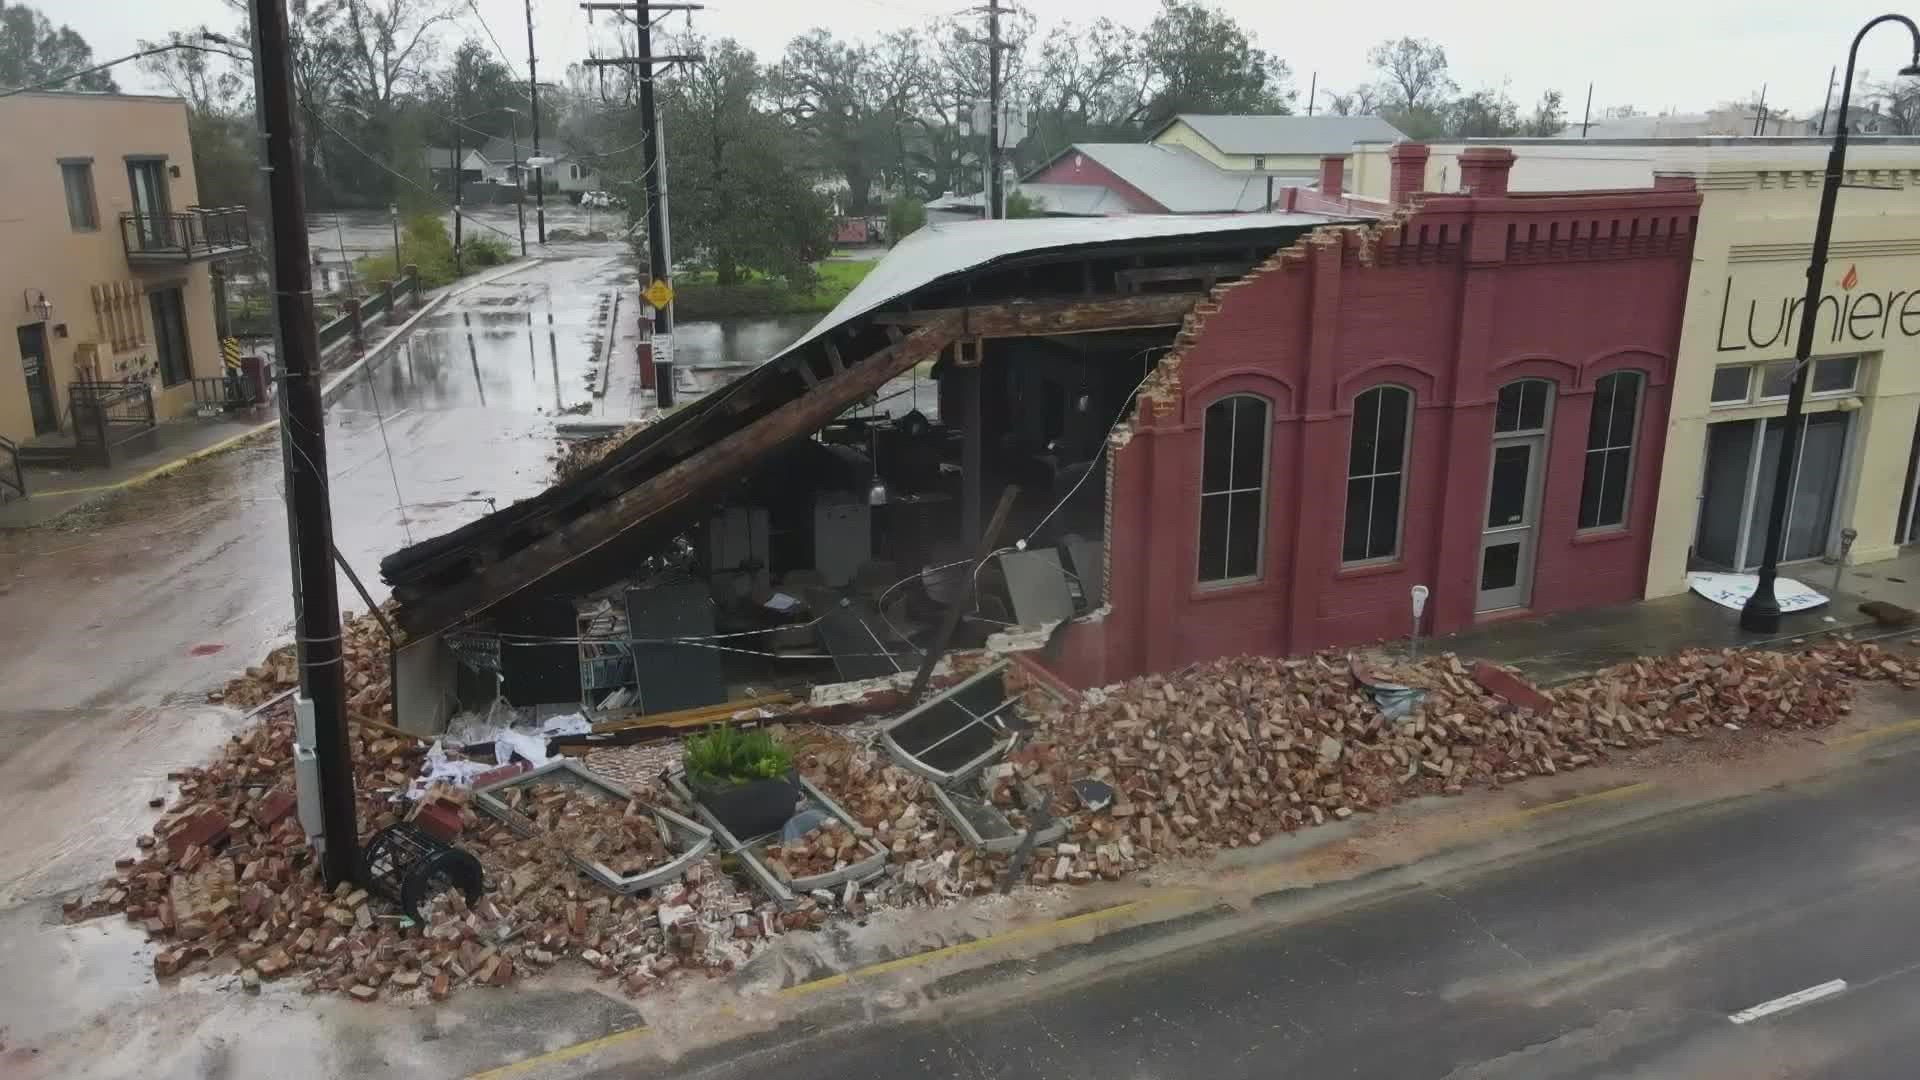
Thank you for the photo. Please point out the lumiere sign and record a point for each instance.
(1847, 316)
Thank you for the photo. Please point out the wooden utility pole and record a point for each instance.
(533, 106)
(996, 194)
(303, 416)
(653, 157)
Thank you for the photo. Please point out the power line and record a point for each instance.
(496, 41)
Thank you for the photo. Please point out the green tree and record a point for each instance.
(1549, 117)
(1413, 74)
(904, 215)
(219, 100)
(1199, 59)
(1487, 113)
(33, 51)
(739, 199)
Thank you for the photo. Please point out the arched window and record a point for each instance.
(1233, 489)
(1376, 473)
(1610, 437)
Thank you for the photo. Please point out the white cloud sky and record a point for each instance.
(1655, 54)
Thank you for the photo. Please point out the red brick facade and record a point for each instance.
(1457, 296)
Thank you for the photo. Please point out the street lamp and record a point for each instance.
(1761, 615)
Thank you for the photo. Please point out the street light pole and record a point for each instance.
(1761, 615)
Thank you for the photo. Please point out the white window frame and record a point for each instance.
(1632, 448)
(1400, 509)
(1757, 378)
(1266, 461)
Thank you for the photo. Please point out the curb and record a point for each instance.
(1186, 908)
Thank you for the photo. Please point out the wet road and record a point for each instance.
(112, 629)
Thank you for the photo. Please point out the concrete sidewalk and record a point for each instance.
(1554, 648)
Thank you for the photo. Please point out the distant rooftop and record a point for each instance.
(1175, 177)
(1286, 135)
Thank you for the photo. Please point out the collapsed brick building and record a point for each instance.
(1470, 394)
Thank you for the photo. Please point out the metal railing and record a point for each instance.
(103, 411)
(224, 392)
(186, 236)
(12, 477)
(387, 303)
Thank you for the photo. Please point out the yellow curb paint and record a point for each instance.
(161, 470)
(1900, 728)
(1171, 898)
(560, 1056)
(1529, 814)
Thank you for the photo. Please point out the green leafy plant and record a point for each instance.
(727, 755)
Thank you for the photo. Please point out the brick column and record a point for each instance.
(1409, 162)
(1333, 175)
(1484, 170)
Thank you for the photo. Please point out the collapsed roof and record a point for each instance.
(977, 279)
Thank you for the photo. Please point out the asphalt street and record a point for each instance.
(1621, 958)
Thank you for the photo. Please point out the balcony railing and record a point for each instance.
(189, 236)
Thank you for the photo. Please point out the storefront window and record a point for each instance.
(1233, 489)
(1609, 472)
(1731, 384)
(1376, 470)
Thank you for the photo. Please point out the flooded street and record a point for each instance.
(118, 621)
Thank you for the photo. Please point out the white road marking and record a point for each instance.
(1790, 1001)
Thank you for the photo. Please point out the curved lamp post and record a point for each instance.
(1762, 612)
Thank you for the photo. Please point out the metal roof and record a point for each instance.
(1072, 200)
(938, 251)
(1286, 135)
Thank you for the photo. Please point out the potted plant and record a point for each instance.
(743, 778)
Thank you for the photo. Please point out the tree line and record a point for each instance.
(762, 149)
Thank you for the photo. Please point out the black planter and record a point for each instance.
(748, 809)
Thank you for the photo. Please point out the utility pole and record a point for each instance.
(996, 187)
(1313, 91)
(459, 186)
(303, 422)
(520, 176)
(533, 105)
(1586, 116)
(654, 164)
(1760, 112)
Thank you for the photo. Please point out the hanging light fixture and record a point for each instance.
(877, 493)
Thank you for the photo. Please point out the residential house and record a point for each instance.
(1198, 164)
(1272, 145)
(112, 299)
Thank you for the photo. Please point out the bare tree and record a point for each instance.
(1413, 72)
(1362, 100)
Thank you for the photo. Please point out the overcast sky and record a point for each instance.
(1683, 55)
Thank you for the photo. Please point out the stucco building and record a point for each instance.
(107, 261)
(1471, 395)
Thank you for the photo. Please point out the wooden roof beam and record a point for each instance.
(716, 463)
(1050, 317)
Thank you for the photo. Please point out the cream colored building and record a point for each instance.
(1274, 145)
(106, 271)
(1752, 245)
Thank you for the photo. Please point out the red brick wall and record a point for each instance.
(1460, 297)
(1073, 167)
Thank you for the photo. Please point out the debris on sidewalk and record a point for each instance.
(1218, 755)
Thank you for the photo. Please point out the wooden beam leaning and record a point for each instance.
(1047, 317)
(720, 461)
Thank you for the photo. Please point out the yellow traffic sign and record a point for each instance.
(230, 351)
(659, 294)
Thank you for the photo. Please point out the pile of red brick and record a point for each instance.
(1227, 753)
